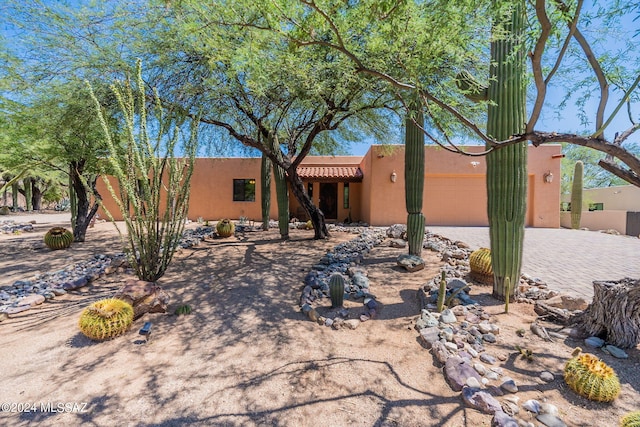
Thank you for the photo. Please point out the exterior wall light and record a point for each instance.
(475, 164)
(547, 177)
(393, 177)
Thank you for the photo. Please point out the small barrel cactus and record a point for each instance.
(591, 378)
(632, 419)
(480, 264)
(225, 228)
(106, 319)
(183, 309)
(58, 238)
(336, 289)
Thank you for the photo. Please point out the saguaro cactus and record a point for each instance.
(265, 190)
(414, 177)
(507, 167)
(576, 195)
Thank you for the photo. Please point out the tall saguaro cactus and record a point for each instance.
(414, 177)
(507, 167)
(576, 195)
(265, 190)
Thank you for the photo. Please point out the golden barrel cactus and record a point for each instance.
(58, 238)
(591, 378)
(225, 228)
(106, 319)
(480, 264)
(632, 419)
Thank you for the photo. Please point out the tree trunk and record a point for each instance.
(36, 195)
(507, 167)
(614, 314)
(15, 191)
(265, 190)
(316, 215)
(282, 198)
(84, 210)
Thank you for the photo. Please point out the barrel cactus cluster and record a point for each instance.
(591, 378)
(480, 264)
(58, 238)
(225, 228)
(336, 290)
(106, 319)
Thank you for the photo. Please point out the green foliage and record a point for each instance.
(58, 238)
(153, 184)
(225, 228)
(336, 289)
(591, 378)
(106, 319)
(576, 195)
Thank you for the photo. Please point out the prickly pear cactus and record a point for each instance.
(632, 419)
(591, 378)
(576, 195)
(58, 238)
(225, 228)
(106, 319)
(336, 289)
(480, 264)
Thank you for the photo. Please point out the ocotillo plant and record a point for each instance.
(576, 195)
(507, 167)
(153, 185)
(265, 190)
(414, 177)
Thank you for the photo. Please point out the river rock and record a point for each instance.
(550, 420)
(447, 316)
(594, 342)
(501, 419)
(480, 400)
(457, 371)
(615, 351)
(411, 263)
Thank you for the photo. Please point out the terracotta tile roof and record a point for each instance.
(344, 173)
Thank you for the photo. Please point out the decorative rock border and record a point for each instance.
(344, 258)
(11, 226)
(25, 294)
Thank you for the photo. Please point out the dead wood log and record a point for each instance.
(614, 314)
(553, 314)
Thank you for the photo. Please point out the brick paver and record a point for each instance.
(568, 260)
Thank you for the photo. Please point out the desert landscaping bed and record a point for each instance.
(247, 355)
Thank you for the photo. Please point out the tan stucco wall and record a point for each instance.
(598, 220)
(455, 192)
(620, 197)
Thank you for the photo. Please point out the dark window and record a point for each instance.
(244, 190)
(310, 190)
(345, 196)
(596, 206)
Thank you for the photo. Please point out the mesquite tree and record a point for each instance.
(576, 195)
(414, 177)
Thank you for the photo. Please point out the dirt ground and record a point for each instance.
(248, 357)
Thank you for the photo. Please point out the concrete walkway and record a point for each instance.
(568, 260)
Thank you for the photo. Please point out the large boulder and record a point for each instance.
(145, 297)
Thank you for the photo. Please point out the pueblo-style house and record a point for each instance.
(370, 188)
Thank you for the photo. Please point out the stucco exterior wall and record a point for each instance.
(598, 220)
(455, 191)
(620, 197)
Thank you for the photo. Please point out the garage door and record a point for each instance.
(458, 200)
